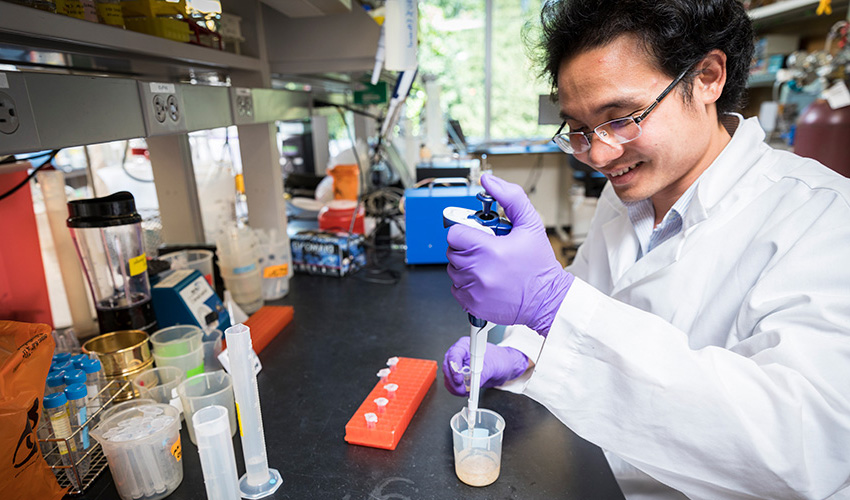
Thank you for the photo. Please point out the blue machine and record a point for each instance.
(184, 297)
(423, 215)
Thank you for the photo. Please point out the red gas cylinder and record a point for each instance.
(823, 134)
(336, 216)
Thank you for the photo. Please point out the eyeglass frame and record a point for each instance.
(589, 135)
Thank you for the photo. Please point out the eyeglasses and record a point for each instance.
(617, 131)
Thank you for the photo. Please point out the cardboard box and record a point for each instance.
(327, 253)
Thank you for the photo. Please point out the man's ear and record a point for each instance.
(709, 83)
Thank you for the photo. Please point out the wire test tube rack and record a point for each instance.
(95, 453)
(413, 378)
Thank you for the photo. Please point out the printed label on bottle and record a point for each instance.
(138, 265)
(244, 269)
(62, 429)
(176, 450)
(279, 271)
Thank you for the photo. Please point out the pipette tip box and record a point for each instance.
(414, 377)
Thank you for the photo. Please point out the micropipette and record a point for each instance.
(259, 480)
(488, 221)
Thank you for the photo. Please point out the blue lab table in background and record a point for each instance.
(321, 367)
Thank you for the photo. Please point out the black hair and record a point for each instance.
(676, 34)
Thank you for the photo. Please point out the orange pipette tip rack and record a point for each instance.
(414, 377)
(265, 324)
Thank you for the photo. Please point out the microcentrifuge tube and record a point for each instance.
(371, 420)
(381, 404)
(384, 373)
(259, 480)
(391, 390)
(392, 362)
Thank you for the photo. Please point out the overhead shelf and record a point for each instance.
(45, 30)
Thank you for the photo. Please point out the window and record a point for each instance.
(452, 48)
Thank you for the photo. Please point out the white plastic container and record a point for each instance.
(200, 260)
(245, 288)
(142, 446)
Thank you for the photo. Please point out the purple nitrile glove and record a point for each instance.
(501, 364)
(511, 279)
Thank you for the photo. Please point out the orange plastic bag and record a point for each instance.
(26, 350)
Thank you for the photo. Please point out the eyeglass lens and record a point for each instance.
(614, 132)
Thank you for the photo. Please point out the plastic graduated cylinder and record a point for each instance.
(259, 480)
(215, 447)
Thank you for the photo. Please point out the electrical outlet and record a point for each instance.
(8, 114)
(163, 108)
(242, 105)
(159, 108)
(173, 108)
(245, 106)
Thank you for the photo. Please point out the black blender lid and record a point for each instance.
(113, 210)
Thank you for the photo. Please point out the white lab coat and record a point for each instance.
(719, 363)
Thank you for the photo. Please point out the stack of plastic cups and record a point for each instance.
(179, 346)
(275, 262)
(240, 267)
(215, 446)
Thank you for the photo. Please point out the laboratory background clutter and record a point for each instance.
(194, 194)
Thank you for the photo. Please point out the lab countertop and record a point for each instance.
(318, 371)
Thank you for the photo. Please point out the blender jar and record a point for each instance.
(107, 233)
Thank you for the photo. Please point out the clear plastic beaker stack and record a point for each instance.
(275, 261)
(238, 261)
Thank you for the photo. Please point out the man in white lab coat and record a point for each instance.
(702, 335)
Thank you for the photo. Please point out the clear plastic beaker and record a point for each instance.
(246, 288)
(142, 446)
(107, 233)
(191, 363)
(114, 408)
(201, 260)
(176, 340)
(212, 348)
(159, 384)
(207, 389)
(478, 451)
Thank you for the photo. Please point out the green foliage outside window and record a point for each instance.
(452, 49)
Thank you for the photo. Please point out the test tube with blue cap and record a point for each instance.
(259, 480)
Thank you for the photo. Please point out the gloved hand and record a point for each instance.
(501, 364)
(511, 279)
